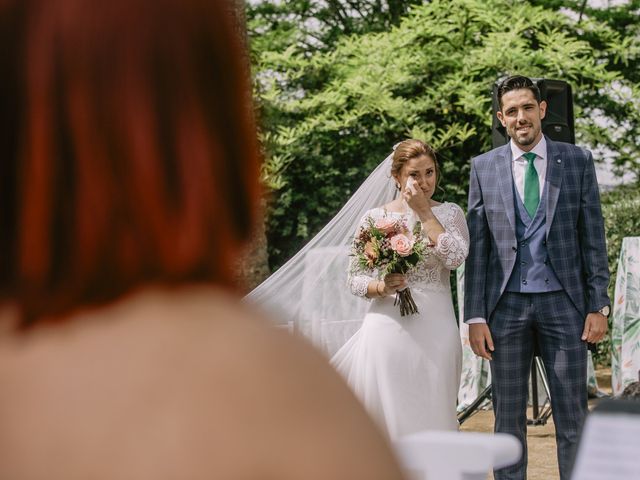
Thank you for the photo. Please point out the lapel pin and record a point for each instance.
(558, 160)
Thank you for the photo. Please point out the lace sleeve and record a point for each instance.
(452, 246)
(358, 279)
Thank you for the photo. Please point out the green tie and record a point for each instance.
(531, 185)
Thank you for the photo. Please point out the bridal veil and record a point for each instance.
(309, 293)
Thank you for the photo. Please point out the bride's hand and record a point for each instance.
(394, 282)
(415, 198)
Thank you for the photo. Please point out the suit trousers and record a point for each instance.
(517, 320)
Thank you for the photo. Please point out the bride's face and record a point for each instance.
(421, 169)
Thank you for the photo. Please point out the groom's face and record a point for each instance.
(521, 114)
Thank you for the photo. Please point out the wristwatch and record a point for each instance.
(606, 310)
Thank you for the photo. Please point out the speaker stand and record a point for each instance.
(540, 414)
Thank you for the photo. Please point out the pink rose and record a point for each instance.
(401, 245)
(371, 253)
(386, 225)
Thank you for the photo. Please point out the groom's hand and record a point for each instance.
(595, 327)
(480, 340)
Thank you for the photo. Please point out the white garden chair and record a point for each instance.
(439, 455)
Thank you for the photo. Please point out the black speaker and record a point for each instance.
(558, 121)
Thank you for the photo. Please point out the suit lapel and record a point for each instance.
(555, 166)
(505, 182)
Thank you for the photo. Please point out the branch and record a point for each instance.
(584, 4)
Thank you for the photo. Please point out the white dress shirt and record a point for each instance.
(519, 167)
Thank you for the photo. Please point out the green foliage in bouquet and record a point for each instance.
(375, 248)
(388, 246)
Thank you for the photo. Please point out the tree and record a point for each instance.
(252, 266)
(330, 115)
(314, 25)
(619, 51)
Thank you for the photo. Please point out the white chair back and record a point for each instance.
(437, 455)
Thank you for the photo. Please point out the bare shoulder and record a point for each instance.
(183, 385)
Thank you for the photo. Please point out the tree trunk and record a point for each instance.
(253, 264)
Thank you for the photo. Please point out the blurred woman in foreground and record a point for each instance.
(128, 183)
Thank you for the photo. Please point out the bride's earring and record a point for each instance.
(398, 186)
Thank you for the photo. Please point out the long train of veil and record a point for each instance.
(309, 293)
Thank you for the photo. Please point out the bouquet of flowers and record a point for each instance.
(388, 246)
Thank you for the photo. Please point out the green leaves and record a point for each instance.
(332, 107)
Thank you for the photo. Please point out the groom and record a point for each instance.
(537, 269)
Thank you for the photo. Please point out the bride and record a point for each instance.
(405, 370)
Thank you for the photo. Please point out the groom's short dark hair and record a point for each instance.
(517, 82)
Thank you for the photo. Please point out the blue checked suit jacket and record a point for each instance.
(574, 227)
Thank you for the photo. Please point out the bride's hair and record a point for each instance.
(132, 156)
(409, 149)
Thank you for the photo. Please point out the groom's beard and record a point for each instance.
(525, 134)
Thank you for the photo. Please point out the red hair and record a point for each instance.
(130, 151)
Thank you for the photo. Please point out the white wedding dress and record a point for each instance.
(406, 370)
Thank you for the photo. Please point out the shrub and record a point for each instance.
(621, 211)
